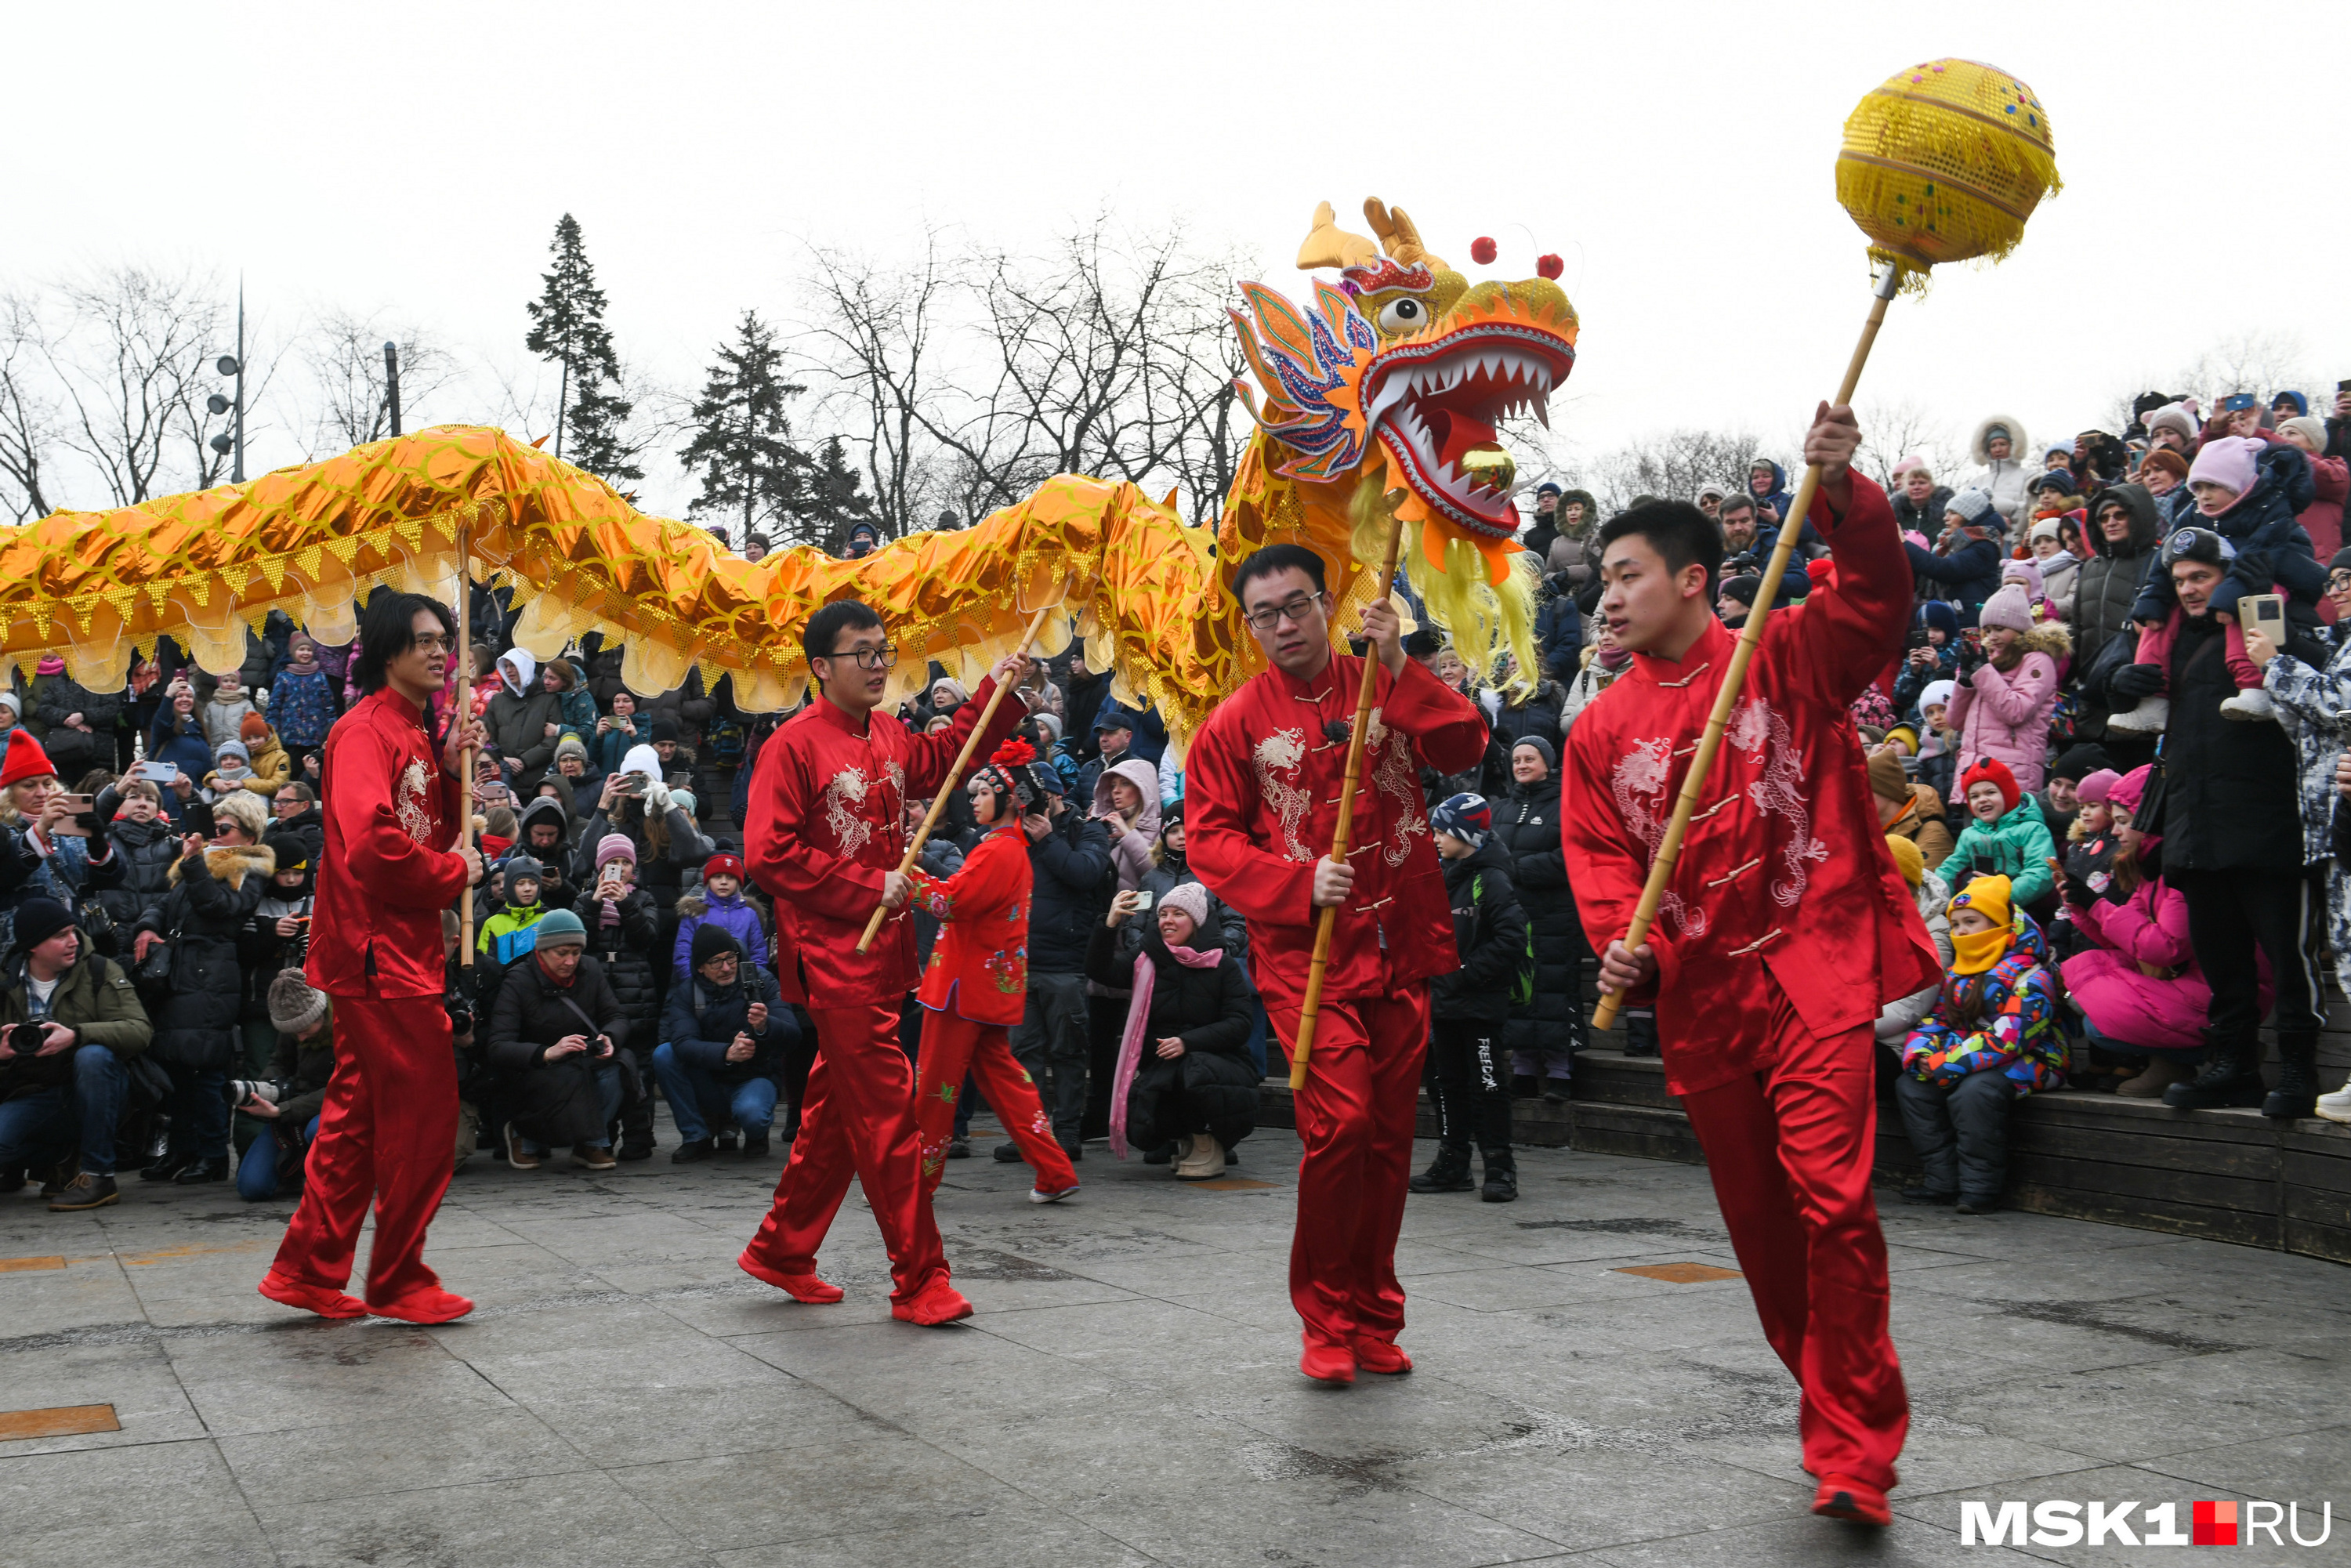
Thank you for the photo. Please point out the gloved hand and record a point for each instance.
(656, 797)
(2135, 681)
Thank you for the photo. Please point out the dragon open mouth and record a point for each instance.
(1435, 406)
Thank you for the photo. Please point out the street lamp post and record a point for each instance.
(391, 383)
(232, 365)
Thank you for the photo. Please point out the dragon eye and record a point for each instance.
(1402, 314)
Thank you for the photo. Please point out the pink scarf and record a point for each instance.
(1138, 1024)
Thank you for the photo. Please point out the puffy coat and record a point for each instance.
(517, 719)
(703, 1020)
(735, 915)
(1968, 576)
(1211, 1010)
(2017, 845)
(1490, 934)
(2057, 585)
(1072, 886)
(1924, 517)
(302, 706)
(75, 752)
(2273, 552)
(1538, 716)
(1898, 1017)
(2110, 983)
(302, 836)
(204, 910)
(1559, 628)
(2002, 1021)
(627, 952)
(1526, 826)
(2109, 580)
(2006, 714)
(555, 1103)
(148, 852)
(1162, 877)
(1925, 823)
(1131, 850)
(2233, 791)
(2004, 478)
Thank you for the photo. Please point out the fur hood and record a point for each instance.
(2051, 638)
(232, 863)
(1978, 444)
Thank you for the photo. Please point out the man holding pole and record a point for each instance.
(824, 836)
(1783, 928)
(1264, 778)
(394, 859)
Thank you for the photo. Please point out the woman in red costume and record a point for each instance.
(1263, 780)
(393, 861)
(979, 981)
(1785, 928)
(825, 834)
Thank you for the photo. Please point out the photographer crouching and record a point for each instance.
(554, 1032)
(69, 1024)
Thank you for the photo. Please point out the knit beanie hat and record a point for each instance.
(642, 759)
(665, 728)
(254, 728)
(1908, 858)
(559, 928)
(1938, 613)
(615, 847)
(1887, 779)
(683, 801)
(293, 1005)
(2046, 528)
(24, 759)
(2227, 461)
(723, 866)
(1743, 588)
(1465, 816)
(2292, 400)
(522, 868)
(570, 745)
(2027, 572)
(2097, 788)
(1191, 898)
(2173, 417)
(1991, 770)
(2008, 608)
(2079, 761)
(1541, 747)
(37, 920)
(1937, 694)
(2127, 792)
(1970, 505)
(710, 941)
(1976, 951)
(2311, 429)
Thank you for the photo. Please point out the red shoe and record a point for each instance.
(1329, 1363)
(311, 1298)
(799, 1287)
(1842, 1496)
(1380, 1356)
(934, 1306)
(430, 1305)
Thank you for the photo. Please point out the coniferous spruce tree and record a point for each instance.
(567, 330)
(836, 500)
(742, 442)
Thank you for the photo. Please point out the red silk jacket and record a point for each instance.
(1784, 870)
(386, 877)
(825, 822)
(1261, 785)
(980, 965)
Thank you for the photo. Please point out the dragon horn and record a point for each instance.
(1397, 232)
(1330, 246)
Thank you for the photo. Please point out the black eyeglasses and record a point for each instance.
(1294, 609)
(2337, 582)
(881, 656)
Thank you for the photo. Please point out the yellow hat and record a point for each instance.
(1976, 951)
(1907, 856)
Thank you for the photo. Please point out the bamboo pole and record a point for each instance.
(1791, 528)
(954, 778)
(1304, 1044)
(460, 718)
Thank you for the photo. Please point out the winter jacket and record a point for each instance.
(1899, 1017)
(2322, 519)
(1162, 877)
(1526, 828)
(687, 706)
(1590, 682)
(1576, 561)
(2005, 714)
(66, 873)
(302, 706)
(2018, 847)
(224, 721)
(1967, 576)
(2058, 583)
(74, 752)
(517, 727)
(2002, 1021)
(300, 840)
(303, 1066)
(1559, 628)
(1072, 890)
(661, 875)
(1922, 517)
(702, 1020)
(2004, 478)
(1537, 716)
(626, 950)
(2110, 982)
(148, 852)
(2273, 552)
(1489, 933)
(211, 898)
(555, 1103)
(2232, 799)
(2313, 704)
(1925, 823)
(1131, 850)
(1208, 1009)
(94, 999)
(607, 750)
(180, 744)
(735, 914)
(270, 768)
(2109, 580)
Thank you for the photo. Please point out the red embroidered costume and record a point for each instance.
(975, 989)
(391, 1116)
(826, 824)
(1262, 781)
(1786, 928)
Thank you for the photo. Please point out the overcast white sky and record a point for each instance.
(414, 158)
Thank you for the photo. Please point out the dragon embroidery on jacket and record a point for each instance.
(1763, 735)
(409, 803)
(1640, 785)
(1395, 775)
(849, 829)
(1281, 752)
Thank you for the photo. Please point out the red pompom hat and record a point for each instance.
(1991, 770)
(25, 760)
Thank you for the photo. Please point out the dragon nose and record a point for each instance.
(1491, 465)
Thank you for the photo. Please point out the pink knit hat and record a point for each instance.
(2128, 791)
(2097, 788)
(2227, 461)
(2027, 572)
(2008, 608)
(615, 847)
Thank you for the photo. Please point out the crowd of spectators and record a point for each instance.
(2107, 764)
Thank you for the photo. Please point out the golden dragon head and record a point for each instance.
(1405, 364)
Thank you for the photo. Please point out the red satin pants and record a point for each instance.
(953, 1045)
(388, 1132)
(857, 1118)
(1355, 1118)
(1790, 1150)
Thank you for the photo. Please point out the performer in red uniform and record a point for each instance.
(1262, 781)
(1785, 928)
(393, 861)
(978, 981)
(824, 836)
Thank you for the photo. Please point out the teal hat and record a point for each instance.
(558, 926)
